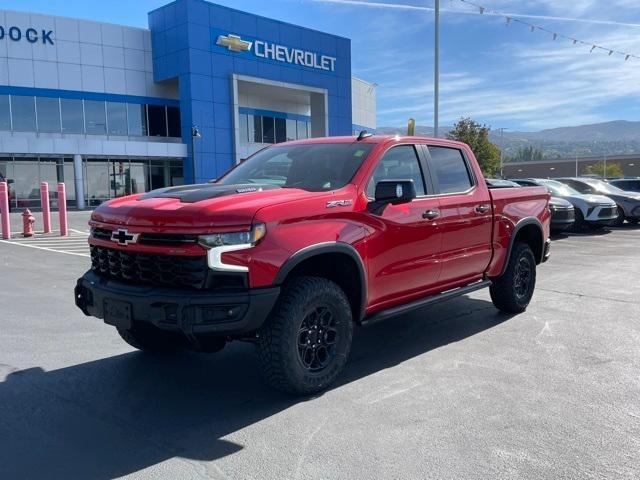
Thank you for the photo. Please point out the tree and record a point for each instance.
(528, 154)
(613, 170)
(477, 137)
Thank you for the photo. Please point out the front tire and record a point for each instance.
(578, 223)
(620, 218)
(512, 291)
(304, 345)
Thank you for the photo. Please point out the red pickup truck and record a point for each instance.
(302, 241)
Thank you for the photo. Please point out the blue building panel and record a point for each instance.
(184, 42)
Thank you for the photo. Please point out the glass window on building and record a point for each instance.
(72, 115)
(291, 130)
(96, 177)
(243, 127)
(281, 130)
(119, 178)
(27, 183)
(6, 175)
(48, 110)
(157, 120)
(257, 128)
(117, 118)
(139, 177)
(303, 131)
(94, 117)
(173, 122)
(5, 113)
(176, 173)
(158, 174)
(268, 130)
(68, 177)
(137, 120)
(23, 110)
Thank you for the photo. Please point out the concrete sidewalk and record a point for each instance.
(76, 220)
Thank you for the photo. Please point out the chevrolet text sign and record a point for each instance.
(280, 53)
(31, 35)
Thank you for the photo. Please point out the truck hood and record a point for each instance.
(195, 206)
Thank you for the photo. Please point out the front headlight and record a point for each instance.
(249, 238)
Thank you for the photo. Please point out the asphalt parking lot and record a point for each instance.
(455, 391)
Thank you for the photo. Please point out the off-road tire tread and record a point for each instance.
(273, 340)
(502, 288)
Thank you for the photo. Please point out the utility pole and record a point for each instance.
(436, 67)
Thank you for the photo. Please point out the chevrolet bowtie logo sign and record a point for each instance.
(278, 53)
(234, 43)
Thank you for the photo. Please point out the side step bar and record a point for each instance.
(424, 302)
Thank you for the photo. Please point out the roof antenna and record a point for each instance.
(364, 134)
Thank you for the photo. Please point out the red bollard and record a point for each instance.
(4, 210)
(62, 209)
(46, 211)
(27, 223)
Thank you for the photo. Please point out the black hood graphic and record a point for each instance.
(205, 191)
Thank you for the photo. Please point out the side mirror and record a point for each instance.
(392, 192)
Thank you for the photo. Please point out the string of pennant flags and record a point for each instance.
(555, 35)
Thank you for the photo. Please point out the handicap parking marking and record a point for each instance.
(75, 243)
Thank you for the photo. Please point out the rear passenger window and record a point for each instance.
(399, 163)
(449, 170)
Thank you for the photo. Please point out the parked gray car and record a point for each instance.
(628, 202)
(627, 184)
(592, 210)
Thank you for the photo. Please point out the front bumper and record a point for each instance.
(191, 312)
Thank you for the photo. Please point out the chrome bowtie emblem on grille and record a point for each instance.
(233, 43)
(123, 237)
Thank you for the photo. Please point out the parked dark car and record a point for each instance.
(627, 184)
(500, 183)
(562, 211)
(628, 202)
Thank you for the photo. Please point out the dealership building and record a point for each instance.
(112, 110)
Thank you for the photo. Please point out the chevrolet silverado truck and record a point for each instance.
(304, 240)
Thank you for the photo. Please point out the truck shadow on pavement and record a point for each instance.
(118, 415)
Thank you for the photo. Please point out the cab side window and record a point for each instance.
(399, 163)
(449, 170)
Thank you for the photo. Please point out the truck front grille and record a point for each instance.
(148, 269)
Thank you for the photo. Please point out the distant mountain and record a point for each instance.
(609, 138)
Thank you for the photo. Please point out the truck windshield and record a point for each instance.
(314, 167)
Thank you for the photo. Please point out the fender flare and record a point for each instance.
(321, 248)
(519, 226)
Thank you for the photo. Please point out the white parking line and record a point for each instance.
(73, 244)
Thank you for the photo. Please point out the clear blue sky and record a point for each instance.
(501, 75)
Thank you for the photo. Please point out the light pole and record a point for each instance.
(436, 67)
(195, 134)
(502, 129)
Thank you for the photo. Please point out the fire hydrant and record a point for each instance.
(27, 223)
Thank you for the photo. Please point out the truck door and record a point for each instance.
(466, 216)
(404, 254)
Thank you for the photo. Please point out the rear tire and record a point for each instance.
(304, 344)
(150, 339)
(512, 291)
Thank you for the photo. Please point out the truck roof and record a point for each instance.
(377, 139)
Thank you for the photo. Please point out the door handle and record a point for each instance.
(430, 214)
(482, 208)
